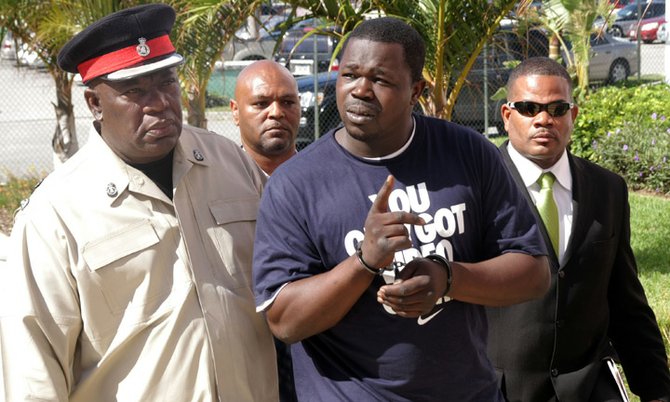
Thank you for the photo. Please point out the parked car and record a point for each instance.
(299, 52)
(8, 49)
(648, 29)
(619, 4)
(248, 45)
(662, 33)
(489, 73)
(628, 17)
(29, 58)
(612, 59)
(324, 98)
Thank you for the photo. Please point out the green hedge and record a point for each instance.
(627, 130)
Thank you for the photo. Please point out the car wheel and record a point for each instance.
(616, 31)
(647, 41)
(619, 71)
(253, 58)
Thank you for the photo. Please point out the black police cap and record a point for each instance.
(123, 45)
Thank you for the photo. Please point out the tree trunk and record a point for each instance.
(64, 141)
(554, 47)
(195, 107)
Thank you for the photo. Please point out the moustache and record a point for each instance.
(362, 107)
(275, 126)
(161, 124)
(544, 134)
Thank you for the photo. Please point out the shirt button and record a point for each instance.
(111, 190)
(561, 274)
(554, 372)
(559, 323)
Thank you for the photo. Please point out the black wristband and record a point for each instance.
(370, 269)
(447, 267)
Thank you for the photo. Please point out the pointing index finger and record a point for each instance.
(381, 203)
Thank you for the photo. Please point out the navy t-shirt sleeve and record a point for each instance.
(283, 250)
(513, 226)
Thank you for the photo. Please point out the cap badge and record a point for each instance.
(143, 49)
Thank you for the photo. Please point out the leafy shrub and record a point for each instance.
(15, 190)
(639, 151)
(609, 108)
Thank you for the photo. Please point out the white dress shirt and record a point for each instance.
(530, 173)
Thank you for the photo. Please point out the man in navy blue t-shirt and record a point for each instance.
(378, 246)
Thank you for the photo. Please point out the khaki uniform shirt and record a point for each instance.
(113, 292)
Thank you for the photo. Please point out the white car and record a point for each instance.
(27, 57)
(8, 49)
(662, 33)
(247, 45)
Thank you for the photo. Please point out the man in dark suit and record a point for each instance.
(559, 348)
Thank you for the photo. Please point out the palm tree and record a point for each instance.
(455, 32)
(573, 20)
(202, 29)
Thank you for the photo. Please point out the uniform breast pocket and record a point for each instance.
(234, 236)
(132, 267)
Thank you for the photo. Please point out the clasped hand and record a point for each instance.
(422, 282)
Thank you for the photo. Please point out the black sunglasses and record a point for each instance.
(531, 109)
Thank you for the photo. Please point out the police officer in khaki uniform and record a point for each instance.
(128, 277)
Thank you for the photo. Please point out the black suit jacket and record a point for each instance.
(553, 347)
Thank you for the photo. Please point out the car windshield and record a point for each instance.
(324, 44)
(628, 13)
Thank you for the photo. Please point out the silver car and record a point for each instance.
(246, 45)
(612, 59)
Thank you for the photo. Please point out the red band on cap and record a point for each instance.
(123, 58)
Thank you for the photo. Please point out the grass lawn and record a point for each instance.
(650, 238)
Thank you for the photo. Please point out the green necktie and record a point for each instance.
(547, 207)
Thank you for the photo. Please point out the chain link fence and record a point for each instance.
(27, 117)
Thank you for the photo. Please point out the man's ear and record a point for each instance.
(236, 112)
(417, 90)
(93, 103)
(505, 113)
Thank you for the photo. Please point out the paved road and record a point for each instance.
(27, 115)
